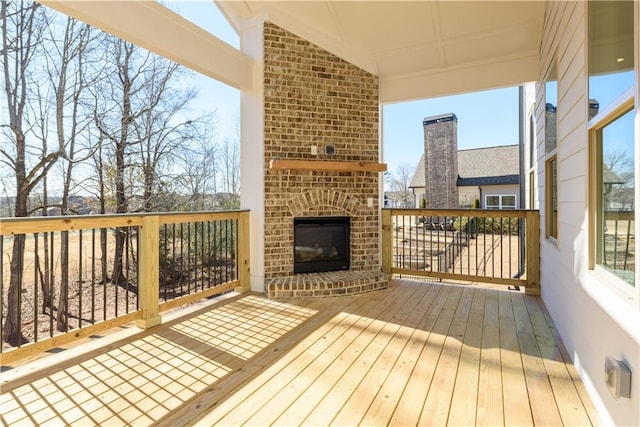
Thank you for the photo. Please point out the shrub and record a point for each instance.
(497, 225)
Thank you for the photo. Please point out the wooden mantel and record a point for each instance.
(325, 165)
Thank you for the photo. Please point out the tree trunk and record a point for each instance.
(45, 279)
(117, 275)
(62, 319)
(12, 327)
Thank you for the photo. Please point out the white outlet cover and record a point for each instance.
(617, 377)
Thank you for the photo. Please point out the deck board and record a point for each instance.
(541, 399)
(388, 396)
(416, 353)
(292, 367)
(436, 407)
(514, 387)
(412, 400)
(490, 409)
(465, 394)
(374, 368)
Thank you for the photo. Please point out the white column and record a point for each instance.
(252, 152)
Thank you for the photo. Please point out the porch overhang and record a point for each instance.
(417, 49)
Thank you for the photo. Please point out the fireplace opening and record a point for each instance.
(321, 244)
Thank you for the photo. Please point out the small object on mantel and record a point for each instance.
(324, 165)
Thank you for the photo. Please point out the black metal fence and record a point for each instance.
(466, 244)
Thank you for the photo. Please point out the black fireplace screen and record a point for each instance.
(321, 244)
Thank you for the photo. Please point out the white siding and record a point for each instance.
(419, 194)
(468, 195)
(592, 319)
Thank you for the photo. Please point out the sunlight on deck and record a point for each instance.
(142, 381)
(416, 353)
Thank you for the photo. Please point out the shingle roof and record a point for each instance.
(418, 176)
(480, 166)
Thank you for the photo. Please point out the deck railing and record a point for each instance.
(61, 278)
(477, 245)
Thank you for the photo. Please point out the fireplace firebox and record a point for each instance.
(321, 244)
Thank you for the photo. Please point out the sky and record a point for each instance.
(485, 119)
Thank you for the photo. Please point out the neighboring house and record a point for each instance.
(458, 177)
(487, 174)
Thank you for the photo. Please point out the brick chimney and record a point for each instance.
(441, 161)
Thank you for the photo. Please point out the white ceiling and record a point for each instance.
(419, 49)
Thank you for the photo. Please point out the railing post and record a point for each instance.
(387, 242)
(149, 264)
(243, 252)
(532, 236)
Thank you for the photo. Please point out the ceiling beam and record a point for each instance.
(150, 25)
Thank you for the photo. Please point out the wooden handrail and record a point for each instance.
(477, 213)
(148, 236)
(41, 224)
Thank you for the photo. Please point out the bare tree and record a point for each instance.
(618, 179)
(400, 181)
(67, 74)
(44, 265)
(141, 114)
(198, 169)
(23, 24)
(229, 169)
(114, 116)
(160, 130)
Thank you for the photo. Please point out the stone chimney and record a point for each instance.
(441, 161)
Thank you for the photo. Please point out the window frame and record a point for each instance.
(531, 140)
(500, 205)
(628, 100)
(551, 217)
(532, 189)
(622, 106)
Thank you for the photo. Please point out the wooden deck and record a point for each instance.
(416, 353)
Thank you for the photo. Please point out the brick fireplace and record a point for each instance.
(318, 107)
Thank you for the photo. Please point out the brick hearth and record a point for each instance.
(335, 283)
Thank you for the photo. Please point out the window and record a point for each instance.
(614, 196)
(531, 141)
(532, 190)
(551, 203)
(550, 148)
(612, 91)
(507, 201)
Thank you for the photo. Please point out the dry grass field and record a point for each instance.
(90, 298)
